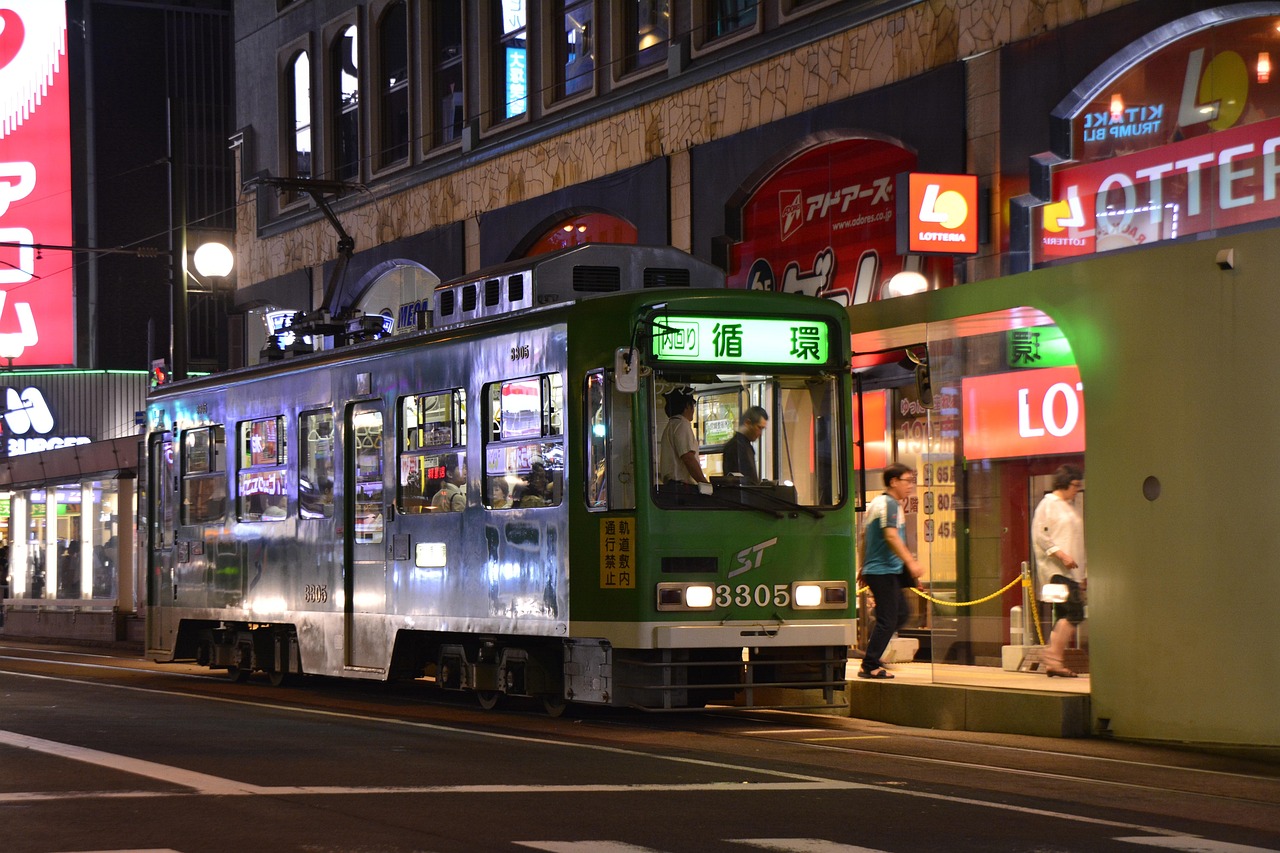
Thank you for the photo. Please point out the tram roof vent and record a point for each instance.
(595, 279)
(664, 277)
(579, 272)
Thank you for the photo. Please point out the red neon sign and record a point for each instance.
(37, 307)
(1028, 413)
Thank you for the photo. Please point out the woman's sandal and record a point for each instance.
(1060, 673)
(878, 672)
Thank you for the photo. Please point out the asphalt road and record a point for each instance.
(103, 752)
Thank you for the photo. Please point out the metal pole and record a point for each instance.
(177, 242)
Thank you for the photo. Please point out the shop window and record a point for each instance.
(261, 490)
(204, 478)
(509, 64)
(573, 28)
(298, 97)
(524, 451)
(646, 33)
(433, 467)
(315, 464)
(393, 81)
(448, 106)
(345, 103)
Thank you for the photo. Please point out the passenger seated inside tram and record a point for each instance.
(537, 489)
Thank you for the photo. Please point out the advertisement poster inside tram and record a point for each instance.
(1007, 409)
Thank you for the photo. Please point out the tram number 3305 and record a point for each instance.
(315, 592)
(743, 595)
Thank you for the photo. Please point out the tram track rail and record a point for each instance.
(1149, 779)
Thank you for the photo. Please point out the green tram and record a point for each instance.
(474, 502)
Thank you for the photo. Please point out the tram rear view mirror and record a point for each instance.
(626, 370)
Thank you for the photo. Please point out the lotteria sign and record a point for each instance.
(742, 340)
(1027, 413)
(1181, 139)
(37, 307)
(823, 223)
(941, 214)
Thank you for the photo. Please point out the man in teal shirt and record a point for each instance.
(884, 560)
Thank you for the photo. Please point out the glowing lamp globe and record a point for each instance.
(214, 260)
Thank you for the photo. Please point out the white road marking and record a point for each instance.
(1192, 844)
(585, 847)
(803, 845)
(798, 780)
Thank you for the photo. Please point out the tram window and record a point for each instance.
(366, 446)
(433, 438)
(315, 464)
(204, 482)
(261, 488)
(597, 442)
(524, 456)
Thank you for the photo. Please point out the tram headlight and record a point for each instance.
(699, 597)
(820, 595)
(686, 596)
(808, 595)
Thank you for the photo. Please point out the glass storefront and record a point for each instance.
(983, 409)
(64, 542)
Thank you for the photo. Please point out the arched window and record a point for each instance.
(345, 99)
(298, 87)
(393, 80)
(585, 228)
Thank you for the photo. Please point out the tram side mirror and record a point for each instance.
(924, 385)
(626, 370)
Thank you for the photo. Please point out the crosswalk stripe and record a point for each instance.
(585, 847)
(1193, 844)
(802, 845)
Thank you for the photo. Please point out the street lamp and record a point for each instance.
(214, 260)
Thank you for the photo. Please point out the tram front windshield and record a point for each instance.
(797, 454)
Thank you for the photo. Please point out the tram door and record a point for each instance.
(158, 503)
(365, 566)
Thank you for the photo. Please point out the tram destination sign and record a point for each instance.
(742, 340)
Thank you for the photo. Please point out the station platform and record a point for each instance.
(973, 698)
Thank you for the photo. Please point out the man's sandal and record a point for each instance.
(878, 672)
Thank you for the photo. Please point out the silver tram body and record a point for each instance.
(279, 537)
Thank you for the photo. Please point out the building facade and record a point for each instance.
(1125, 187)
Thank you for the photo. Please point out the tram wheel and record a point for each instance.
(237, 674)
(488, 699)
(554, 705)
(277, 677)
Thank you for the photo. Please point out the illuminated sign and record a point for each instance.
(1227, 178)
(941, 215)
(27, 412)
(824, 224)
(1042, 346)
(874, 416)
(517, 82)
(37, 310)
(742, 340)
(1181, 141)
(1027, 413)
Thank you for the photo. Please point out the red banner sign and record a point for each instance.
(1028, 413)
(823, 224)
(37, 308)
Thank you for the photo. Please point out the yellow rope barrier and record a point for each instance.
(928, 597)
